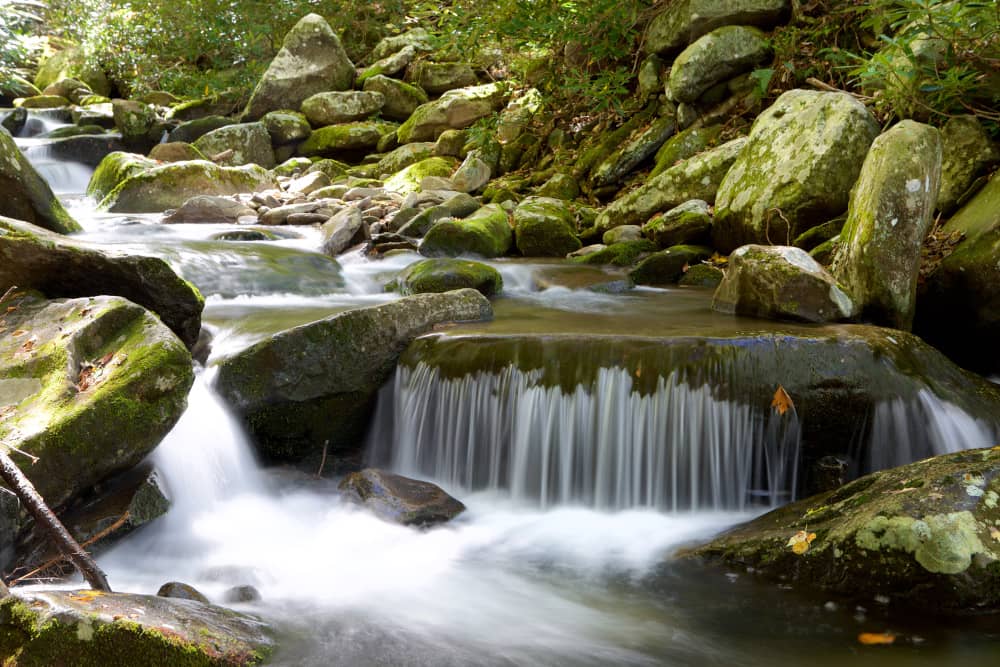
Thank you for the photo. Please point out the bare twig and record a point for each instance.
(60, 558)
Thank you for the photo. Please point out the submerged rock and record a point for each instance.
(446, 274)
(91, 628)
(668, 266)
(399, 499)
(311, 60)
(312, 387)
(33, 258)
(26, 195)
(922, 535)
(181, 591)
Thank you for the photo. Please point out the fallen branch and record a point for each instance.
(58, 559)
(36, 506)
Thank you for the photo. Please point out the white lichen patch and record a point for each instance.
(944, 543)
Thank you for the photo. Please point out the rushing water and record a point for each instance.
(576, 494)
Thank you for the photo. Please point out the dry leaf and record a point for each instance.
(876, 638)
(19, 332)
(800, 541)
(85, 596)
(782, 401)
(28, 345)
(995, 534)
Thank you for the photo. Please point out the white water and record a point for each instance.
(62, 176)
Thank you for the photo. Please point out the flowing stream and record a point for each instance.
(577, 490)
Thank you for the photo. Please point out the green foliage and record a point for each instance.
(18, 44)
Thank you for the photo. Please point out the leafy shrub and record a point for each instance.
(18, 45)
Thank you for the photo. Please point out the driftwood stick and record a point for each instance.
(36, 506)
(58, 559)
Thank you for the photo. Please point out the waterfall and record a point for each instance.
(603, 445)
(64, 177)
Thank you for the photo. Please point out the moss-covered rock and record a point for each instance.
(803, 156)
(409, 502)
(696, 178)
(346, 106)
(191, 130)
(114, 169)
(486, 233)
(408, 180)
(811, 238)
(418, 38)
(624, 253)
(922, 535)
(401, 99)
(689, 223)
(781, 282)
(138, 123)
(683, 145)
(681, 22)
(437, 78)
(444, 274)
(172, 151)
(390, 65)
(890, 213)
(402, 157)
(543, 227)
(701, 275)
(72, 63)
(668, 266)
(95, 383)
(170, 185)
(92, 629)
(455, 110)
(311, 60)
(617, 166)
(286, 126)
(714, 58)
(72, 89)
(967, 151)
(26, 195)
(42, 102)
(237, 145)
(473, 174)
(559, 186)
(315, 384)
(346, 139)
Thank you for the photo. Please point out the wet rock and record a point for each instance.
(26, 195)
(967, 152)
(346, 106)
(114, 169)
(401, 99)
(698, 177)
(238, 594)
(91, 628)
(781, 282)
(716, 57)
(138, 123)
(543, 227)
(345, 140)
(15, 120)
(890, 213)
(689, 223)
(668, 266)
(437, 78)
(472, 175)
(921, 535)
(94, 384)
(34, 258)
(341, 229)
(701, 275)
(445, 274)
(311, 60)
(208, 208)
(244, 143)
(181, 591)
(485, 233)
(455, 110)
(43, 102)
(313, 387)
(399, 499)
(803, 156)
(623, 253)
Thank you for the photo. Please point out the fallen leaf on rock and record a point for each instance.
(782, 402)
(19, 332)
(995, 534)
(800, 541)
(876, 638)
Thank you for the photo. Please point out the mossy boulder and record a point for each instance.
(408, 179)
(623, 253)
(191, 130)
(417, 38)
(94, 383)
(437, 78)
(115, 169)
(390, 65)
(923, 536)
(486, 233)
(891, 210)
(819, 234)
(26, 195)
(170, 185)
(967, 152)
(445, 274)
(402, 500)
(286, 126)
(401, 98)
(138, 123)
(346, 139)
(237, 145)
(42, 628)
(174, 151)
(402, 157)
(74, 131)
(681, 22)
(473, 174)
(716, 57)
(311, 60)
(72, 89)
(668, 266)
(691, 222)
(346, 106)
(544, 227)
(617, 166)
(312, 387)
(701, 275)
(455, 110)
(803, 156)
(42, 102)
(34, 258)
(72, 62)
(697, 177)
(685, 144)
(559, 186)
(781, 282)
(958, 309)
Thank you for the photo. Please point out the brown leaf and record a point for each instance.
(876, 638)
(103, 361)
(19, 332)
(782, 402)
(28, 345)
(800, 541)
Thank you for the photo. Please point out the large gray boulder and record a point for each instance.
(437, 78)
(967, 151)
(66, 627)
(26, 195)
(138, 123)
(341, 106)
(697, 177)
(455, 110)
(311, 60)
(681, 22)
(781, 282)
(89, 386)
(237, 145)
(716, 57)
(891, 210)
(311, 388)
(923, 535)
(803, 156)
(485, 233)
(401, 99)
(58, 266)
(544, 227)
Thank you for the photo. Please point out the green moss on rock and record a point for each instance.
(446, 274)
